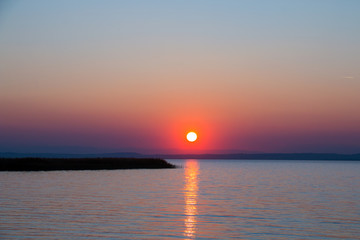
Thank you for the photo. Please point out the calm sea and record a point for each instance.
(206, 199)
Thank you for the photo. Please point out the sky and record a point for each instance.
(252, 76)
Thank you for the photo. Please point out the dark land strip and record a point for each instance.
(53, 164)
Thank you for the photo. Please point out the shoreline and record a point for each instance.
(58, 164)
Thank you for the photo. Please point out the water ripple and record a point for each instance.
(203, 200)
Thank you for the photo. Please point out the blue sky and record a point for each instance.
(248, 75)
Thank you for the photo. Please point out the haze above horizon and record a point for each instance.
(259, 76)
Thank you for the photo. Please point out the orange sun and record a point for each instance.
(191, 136)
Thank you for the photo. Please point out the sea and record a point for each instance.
(202, 199)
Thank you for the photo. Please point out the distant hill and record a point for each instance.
(266, 156)
(250, 156)
(69, 155)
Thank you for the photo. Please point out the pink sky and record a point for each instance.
(137, 77)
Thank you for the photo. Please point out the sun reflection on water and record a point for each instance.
(191, 193)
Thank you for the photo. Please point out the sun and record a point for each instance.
(191, 136)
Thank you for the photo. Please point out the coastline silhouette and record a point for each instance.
(52, 164)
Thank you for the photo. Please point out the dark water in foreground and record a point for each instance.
(207, 199)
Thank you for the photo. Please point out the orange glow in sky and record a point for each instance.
(144, 81)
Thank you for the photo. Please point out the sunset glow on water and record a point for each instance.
(267, 89)
(206, 199)
(191, 195)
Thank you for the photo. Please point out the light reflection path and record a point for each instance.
(191, 194)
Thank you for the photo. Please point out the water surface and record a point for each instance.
(206, 199)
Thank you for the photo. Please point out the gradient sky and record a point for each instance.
(268, 76)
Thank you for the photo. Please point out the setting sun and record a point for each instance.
(191, 136)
